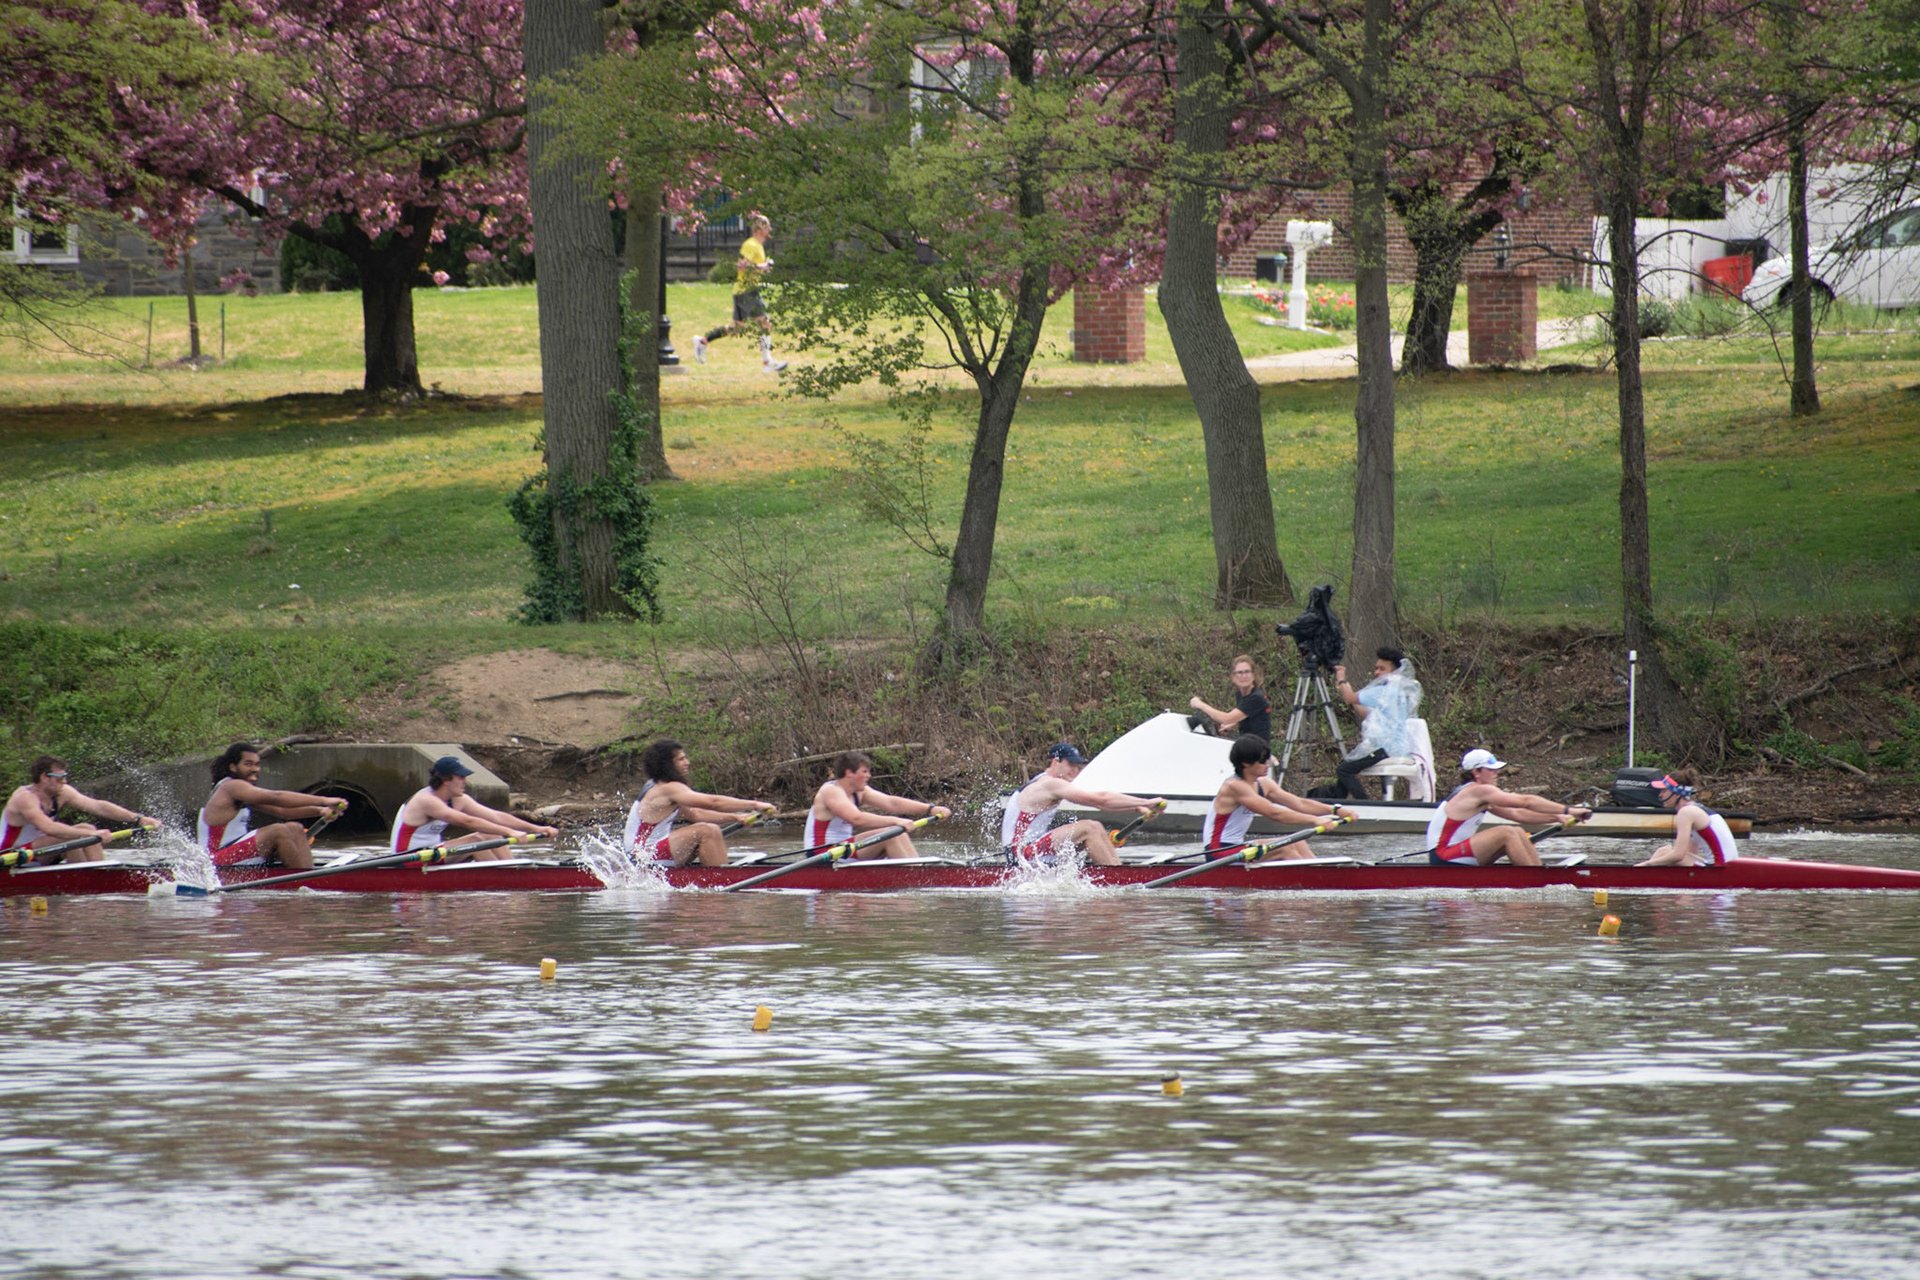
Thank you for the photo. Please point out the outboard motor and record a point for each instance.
(1633, 788)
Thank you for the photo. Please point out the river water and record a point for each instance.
(960, 1085)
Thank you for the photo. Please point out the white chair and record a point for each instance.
(1414, 771)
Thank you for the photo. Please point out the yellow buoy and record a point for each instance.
(1609, 926)
(1599, 897)
(38, 906)
(549, 967)
(762, 1017)
(1171, 1086)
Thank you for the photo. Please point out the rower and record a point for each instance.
(846, 805)
(1455, 834)
(423, 820)
(666, 798)
(225, 823)
(1250, 792)
(1024, 830)
(1701, 837)
(29, 819)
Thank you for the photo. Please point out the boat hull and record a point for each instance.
(886, 877)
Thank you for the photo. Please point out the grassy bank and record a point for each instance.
(177, 515)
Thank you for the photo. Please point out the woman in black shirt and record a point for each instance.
(1251, 712)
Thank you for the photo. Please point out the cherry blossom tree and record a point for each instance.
(365, 126)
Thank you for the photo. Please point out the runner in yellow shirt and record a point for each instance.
(748, 306)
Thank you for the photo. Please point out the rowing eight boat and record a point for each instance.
(895, 875)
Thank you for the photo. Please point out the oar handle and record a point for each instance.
(1248, 853)
(845, 849)
(742, 823)
(1119, 835)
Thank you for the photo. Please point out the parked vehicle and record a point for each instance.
(1876, 266)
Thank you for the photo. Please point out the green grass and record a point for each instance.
(177, 499)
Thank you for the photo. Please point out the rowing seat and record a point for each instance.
(1414, 772)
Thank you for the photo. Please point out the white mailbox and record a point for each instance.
(1303, 236)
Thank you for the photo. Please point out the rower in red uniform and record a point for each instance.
(226, 825)
(30, 820)
(1024, 833)
(667, 798)
(1701, 837)
(1455, 834)
(1250, 792)
(846, 805)
(423, 820)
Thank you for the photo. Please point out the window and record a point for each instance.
(39, 242)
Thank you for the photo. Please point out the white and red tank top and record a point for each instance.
(12, 837)
(1019, 828)
(1226, 830)
(407, 838)
(215, 837)
(1715, 840)
(825, 832)
(649, 838)
(1444, 832)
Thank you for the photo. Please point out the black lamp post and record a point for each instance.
(668, 358)
(1502, 241)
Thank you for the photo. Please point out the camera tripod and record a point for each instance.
(1310, 693)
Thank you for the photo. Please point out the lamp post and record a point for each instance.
(668, 358)
(1502, 241)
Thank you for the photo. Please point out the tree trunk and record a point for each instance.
(193, 305)
(1805, 393)
(578, 294)
(1372, 613)
(962, 630)
(1624, 120)
(386, 321)
(1247, 566)
(644, 265)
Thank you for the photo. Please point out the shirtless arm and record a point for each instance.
(499, 823)
(1283, 807)
(901, 807)
(104, 809)
(284, 805)
(1109, 799)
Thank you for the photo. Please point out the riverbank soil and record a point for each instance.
(1816, 727)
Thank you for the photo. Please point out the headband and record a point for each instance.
(1668, 784)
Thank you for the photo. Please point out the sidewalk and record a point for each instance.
(1342, 360)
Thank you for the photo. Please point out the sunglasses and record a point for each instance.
(57, 777)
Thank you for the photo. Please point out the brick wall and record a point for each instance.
(1503, 317)
(120, 260)
(1551, 241)
(1109, 325)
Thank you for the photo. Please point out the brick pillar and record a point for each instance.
(1503, 317)
(1109, 325)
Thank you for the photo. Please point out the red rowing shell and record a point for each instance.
(881, 877)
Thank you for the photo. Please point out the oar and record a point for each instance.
(1119, 835)
(741, 824)
(324, 821)
(437, 853)
(1245, 853)
(836, 852)
(21, 857)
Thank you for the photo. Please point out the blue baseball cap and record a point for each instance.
(450, 767)
(1066, 751)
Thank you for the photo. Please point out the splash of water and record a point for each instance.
(605, 855)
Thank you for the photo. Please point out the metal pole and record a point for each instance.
(1633, 691)
(668, 358)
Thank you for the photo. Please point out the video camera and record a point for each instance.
(1316, 631)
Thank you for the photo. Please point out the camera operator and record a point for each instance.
(1383, 707)
(1251, 713)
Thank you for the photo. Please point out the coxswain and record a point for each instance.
(29, 819)
(1250, 793)
(1024, 829)
(667, 799)
(1456, 835)
(226, 823)
(1701, 837)
(845, 805)
(423, 820)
